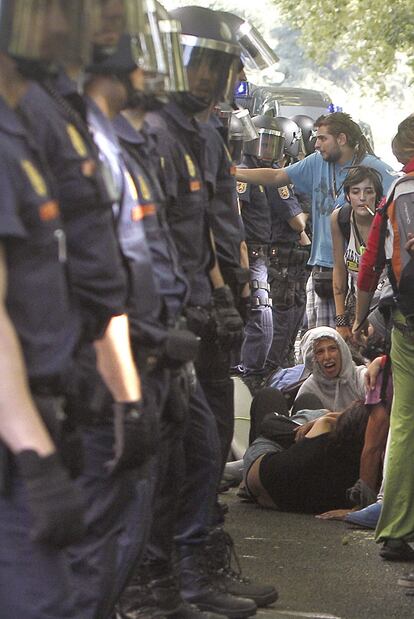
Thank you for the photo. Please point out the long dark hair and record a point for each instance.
(340, 122)
(351, 425)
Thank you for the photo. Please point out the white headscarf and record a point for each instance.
(334, 393)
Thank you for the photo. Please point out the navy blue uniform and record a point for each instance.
(35, 581)
(223, 210)
(182, 150)
(256, 216)
(96, 271)
(187, 516)
(288, 275)
(99, 282)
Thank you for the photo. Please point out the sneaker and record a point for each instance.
(220, 552)
(233, 472)
(407, 581)
(396, 550)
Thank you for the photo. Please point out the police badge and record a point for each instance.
(284, 192)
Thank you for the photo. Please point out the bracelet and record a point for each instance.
(342, 320)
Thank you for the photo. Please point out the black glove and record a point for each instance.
(54, 501)
(229, 325)
(136, 435)
(243, 307)
(199, 322)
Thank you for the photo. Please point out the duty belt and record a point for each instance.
(289, 253)
(256, 302)
(256, 285)
(258, 251)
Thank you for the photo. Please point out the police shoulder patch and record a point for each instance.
(76, 140)
(145, 191)
(284, 192)
(35, 178)
(190, 166)
(241, 187)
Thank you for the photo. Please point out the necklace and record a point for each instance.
(334, 188)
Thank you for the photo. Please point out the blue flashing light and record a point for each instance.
(334, 108)
(242, 90)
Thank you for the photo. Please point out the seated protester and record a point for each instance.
(314, 474)
(335, 380)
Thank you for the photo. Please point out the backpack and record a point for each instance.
(288, 381)
(344, 221)
(401, 276)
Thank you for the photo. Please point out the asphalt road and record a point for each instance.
(321, 569)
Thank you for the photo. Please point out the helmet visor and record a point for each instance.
(268, 146)
(212, 68)
(171, 38)
(138, 20)
(49, 31)
(256, 53)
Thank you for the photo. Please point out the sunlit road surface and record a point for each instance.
(322, 570)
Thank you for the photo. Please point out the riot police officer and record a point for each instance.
(98, 281)
(40, 328)
(289, 254)
(256, 217)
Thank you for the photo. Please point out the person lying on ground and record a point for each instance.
(312, 475)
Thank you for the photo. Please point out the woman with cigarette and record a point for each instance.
(350, 225)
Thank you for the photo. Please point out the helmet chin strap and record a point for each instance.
(35, 69)
(189, 103)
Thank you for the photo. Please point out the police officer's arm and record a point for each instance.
(216, 277)
(339, 276)
(263, 176)
(115, 362)
(20, 425)
(244, 263)
(297, 223)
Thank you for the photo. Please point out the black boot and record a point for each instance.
(190, 611)
(151, 593)
(197, 588)
(219, 553)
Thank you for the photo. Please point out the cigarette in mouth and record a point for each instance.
(369, 210)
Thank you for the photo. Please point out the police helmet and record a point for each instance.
(270, 143)
(292, 134)
(307, 127)
(126, 36)
(211, 56)
(42, 35)
(256, 53)
(171, 38)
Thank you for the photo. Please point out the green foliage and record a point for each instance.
(368, 37)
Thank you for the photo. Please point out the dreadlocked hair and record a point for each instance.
(340, 122)
(403, 143)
